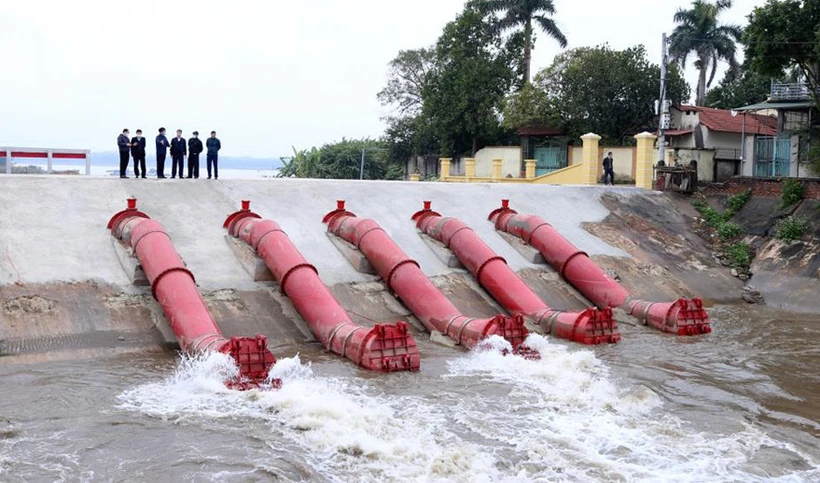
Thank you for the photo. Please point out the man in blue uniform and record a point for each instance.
(213, 146)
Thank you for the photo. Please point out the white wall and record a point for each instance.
(510, 155)
(715, 139)
(747, 166)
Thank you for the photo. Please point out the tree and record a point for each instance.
(608, 92)
(523, 14)
(739, 89)
(699, 32)
(342, 160)
(472, 74)
(406, 78)
(530, 106)
(409, 136)
(784, 34)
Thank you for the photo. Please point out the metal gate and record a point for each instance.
(550, 156)
(772, 156)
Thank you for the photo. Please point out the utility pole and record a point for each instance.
(663, 108)
(361, 166)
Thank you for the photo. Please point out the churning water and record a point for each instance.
(654, 408)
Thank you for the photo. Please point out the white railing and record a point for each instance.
(49, 154)
(791, 92)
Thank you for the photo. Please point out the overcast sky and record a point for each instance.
(267, 75)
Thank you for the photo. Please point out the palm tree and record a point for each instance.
(525, 13)
(699, 32)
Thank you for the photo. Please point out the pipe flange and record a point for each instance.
(333, 335)
(550, 321)
(135, 243)
(461, 329)
(347, 338)
(258, 242)
(166, 272)
(487, 262)
(290, 271)
(450, 324)
(447, 242)
(389, 279)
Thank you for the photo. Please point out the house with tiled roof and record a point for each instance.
(715, 138)
(786, 151)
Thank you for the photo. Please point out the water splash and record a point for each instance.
(572, 422)
(347, 430)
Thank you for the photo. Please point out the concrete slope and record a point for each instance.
(52, 228)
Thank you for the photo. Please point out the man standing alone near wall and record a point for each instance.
(162, 150)
(609, 173)
(194, 148)
(124, 145)
(213, 146)
(138, 153)
(178, 151)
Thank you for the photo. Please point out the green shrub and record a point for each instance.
(734, 203)
(791, 228)
(792, 192)
(727, 231)
(740, 254)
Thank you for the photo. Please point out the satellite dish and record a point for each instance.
(734, 113)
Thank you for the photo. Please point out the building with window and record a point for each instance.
(784, 152)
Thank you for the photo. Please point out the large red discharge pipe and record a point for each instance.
(384, 347)
(175, 290)
(681, 317)
(592, 326)
(404, 277)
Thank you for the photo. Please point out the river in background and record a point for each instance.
(740, 404)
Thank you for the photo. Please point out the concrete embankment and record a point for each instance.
(63, 286)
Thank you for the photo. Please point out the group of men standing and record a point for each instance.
(179, 147)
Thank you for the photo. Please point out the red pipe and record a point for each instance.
(591, 326)
(384, 347)
(174, 287)
(404, 277)
(681, 317)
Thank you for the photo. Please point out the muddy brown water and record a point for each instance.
(741, 404)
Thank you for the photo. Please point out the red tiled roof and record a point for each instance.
(723, 121)
(677, 132)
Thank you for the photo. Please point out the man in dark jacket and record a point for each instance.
(138, 153)
(213, 146)
(124, 145)
(194, 149)
(162, 150)
(179, 148)
(609, 173)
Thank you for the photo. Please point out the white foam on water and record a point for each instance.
(567, 420)
(347, 430)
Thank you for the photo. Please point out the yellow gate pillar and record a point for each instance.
(589, 158)
(529, 171)
(497, 168)
(414, 177)
(444, 171)
(645, 160)
(469, 167)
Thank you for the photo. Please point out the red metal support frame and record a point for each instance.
(404, 277)
(591, 326)
(174, 288)
(384, 347)
(681, 317)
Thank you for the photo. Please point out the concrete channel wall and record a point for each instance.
(65, 294)
(52, 229)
